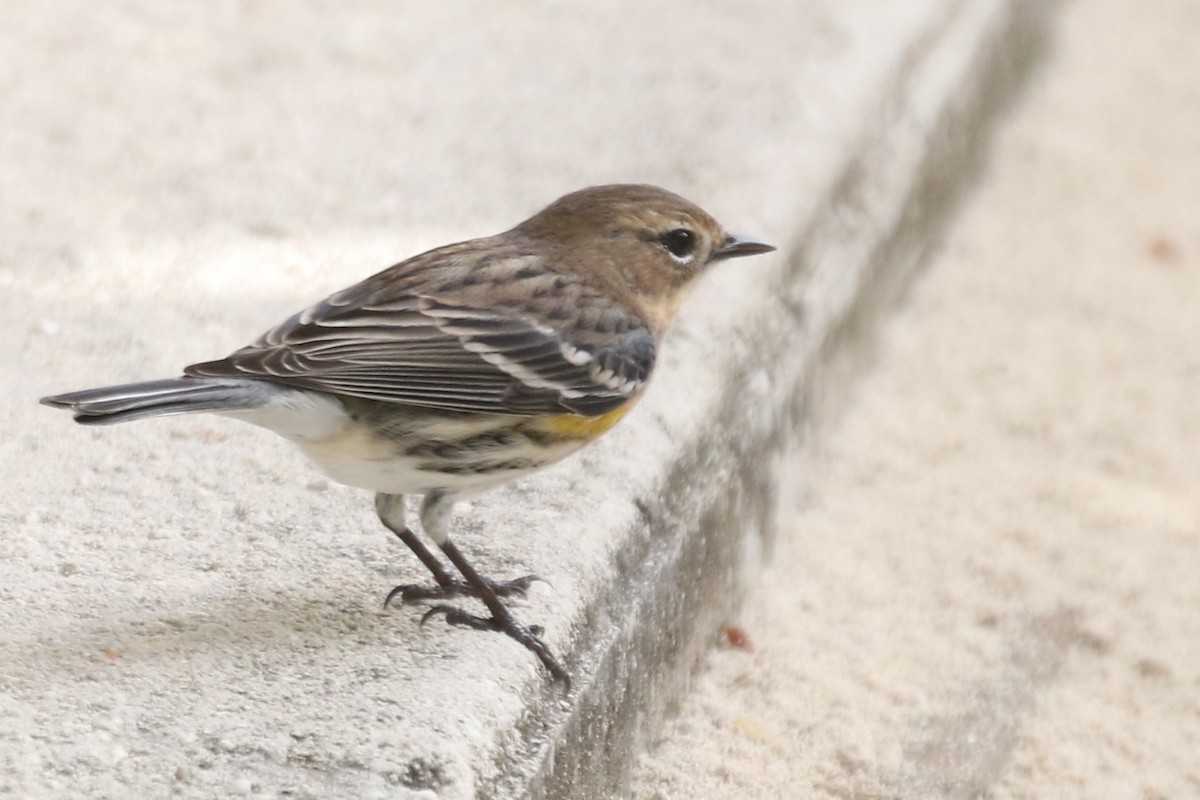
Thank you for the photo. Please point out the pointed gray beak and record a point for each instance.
(738, 246)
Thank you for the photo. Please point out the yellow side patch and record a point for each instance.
(576, 426)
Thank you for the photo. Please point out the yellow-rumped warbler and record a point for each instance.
(464, 367)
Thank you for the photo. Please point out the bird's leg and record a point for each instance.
(502, 619)
(435, 517)
(390, 508)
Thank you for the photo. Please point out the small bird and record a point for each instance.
(462, 368)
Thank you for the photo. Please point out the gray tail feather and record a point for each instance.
(131, 401)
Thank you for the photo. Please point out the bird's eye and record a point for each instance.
(680, 243)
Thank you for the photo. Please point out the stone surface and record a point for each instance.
(986, 581)
(186, 607)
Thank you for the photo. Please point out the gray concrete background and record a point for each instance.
(186, 607)
(987, 582)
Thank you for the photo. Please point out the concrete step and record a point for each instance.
(190, 618)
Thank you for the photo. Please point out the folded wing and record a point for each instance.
(437, 346)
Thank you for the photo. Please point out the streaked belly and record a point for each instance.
(418, 452)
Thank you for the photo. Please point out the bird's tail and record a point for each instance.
(132, 401)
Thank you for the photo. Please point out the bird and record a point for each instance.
(465, 367)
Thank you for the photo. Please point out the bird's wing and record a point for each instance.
(463, 335)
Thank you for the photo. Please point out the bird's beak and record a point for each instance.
(738, 246)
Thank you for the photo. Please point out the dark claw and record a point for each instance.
(530, 636)
(411, 592)
(456, 616)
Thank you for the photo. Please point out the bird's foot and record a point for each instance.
(456, 587)
(529, 636)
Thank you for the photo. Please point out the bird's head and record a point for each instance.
(642, 241)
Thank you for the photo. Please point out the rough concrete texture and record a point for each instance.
(988, 583)
(186, 607)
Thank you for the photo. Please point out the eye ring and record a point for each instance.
(680, 243)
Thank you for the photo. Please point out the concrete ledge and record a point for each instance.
(171, 620)
(711, 516)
